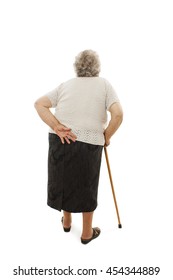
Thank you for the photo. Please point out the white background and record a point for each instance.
(39, 41)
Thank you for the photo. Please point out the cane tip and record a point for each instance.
(120, 225)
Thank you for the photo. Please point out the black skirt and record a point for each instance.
(73, 175)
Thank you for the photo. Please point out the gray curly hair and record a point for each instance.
(87, 64)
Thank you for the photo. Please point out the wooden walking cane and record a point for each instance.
(112, 186)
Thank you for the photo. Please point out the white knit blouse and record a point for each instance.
(81, 104)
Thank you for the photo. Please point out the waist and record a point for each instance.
(89, 136)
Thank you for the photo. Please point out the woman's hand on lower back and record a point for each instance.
(65, 133)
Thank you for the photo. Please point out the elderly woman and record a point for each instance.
(78, 132)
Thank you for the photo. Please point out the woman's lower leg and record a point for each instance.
(67, 219)
(87, 230)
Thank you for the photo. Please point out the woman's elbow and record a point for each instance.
(116, 113)
(36, 104)
(42, 102)
(119, 116)
(119, 119)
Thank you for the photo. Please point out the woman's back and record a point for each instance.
(81, 103)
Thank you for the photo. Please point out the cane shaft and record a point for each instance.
(112, 186)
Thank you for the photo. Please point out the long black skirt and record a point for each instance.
(73, 175)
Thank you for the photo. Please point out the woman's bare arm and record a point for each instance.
(43, 105)
(116, 120)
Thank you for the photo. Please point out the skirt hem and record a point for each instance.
(70, 210)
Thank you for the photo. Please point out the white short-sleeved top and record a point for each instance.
(81, 104)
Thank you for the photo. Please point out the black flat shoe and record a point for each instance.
(64, 228)
(96, 233)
